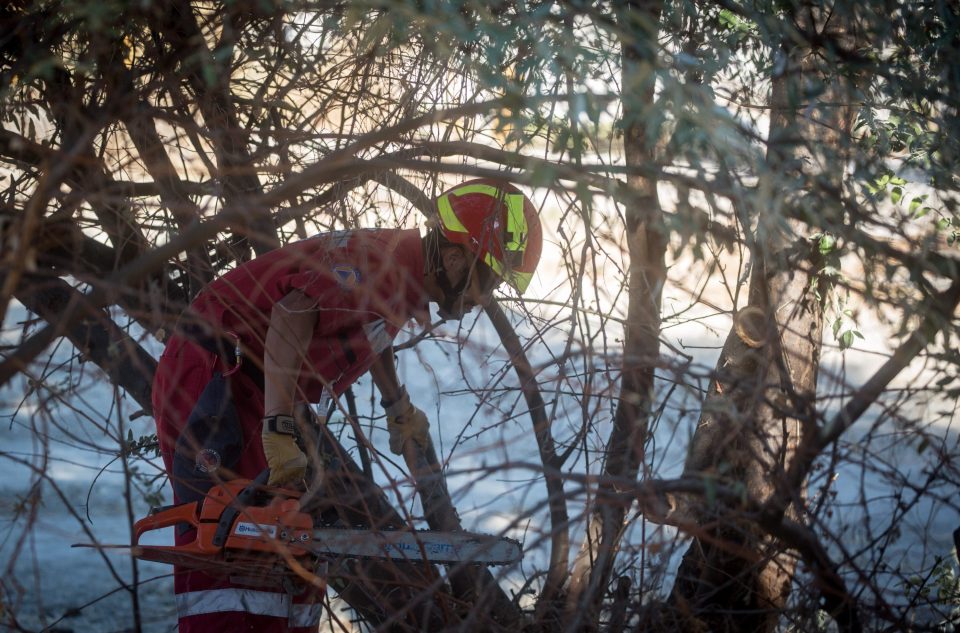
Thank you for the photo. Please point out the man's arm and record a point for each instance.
(404, 421)
(384, 375)
(292, 321)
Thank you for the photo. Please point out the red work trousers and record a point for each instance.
(209, 429)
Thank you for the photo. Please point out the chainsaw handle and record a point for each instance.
(182, 513)
(243, 498)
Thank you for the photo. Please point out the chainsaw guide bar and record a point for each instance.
(244, 529)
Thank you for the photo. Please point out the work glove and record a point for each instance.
(405, 422)
(286, 461)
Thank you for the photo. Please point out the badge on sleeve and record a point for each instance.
(347, 276)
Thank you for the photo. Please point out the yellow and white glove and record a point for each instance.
(286, 461)
(406, 422)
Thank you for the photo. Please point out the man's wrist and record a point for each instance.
(387, 404)
(283, 424)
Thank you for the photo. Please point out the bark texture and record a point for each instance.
(736, 576)
(591, 575)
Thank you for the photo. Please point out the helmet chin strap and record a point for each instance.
(452, 295)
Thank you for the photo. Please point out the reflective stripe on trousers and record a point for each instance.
(267, 603)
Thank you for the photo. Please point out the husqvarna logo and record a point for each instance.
(254, 529)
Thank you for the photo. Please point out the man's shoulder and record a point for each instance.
(362, 252)
(347, 237)
(368, 240)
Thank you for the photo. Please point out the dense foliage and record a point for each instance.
(744, 334)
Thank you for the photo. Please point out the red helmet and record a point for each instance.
(497, 223)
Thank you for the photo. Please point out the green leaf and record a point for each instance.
(710, 491)
(896, 195)
(729, 19)
(223, 54)
(827, 244)
(916, 208)
(846, 339)
(209, 74)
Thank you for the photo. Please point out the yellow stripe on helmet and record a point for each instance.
(516, 223)
(518, 280)
(466, 190)
(448, 217)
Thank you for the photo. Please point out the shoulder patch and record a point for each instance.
(347, 276)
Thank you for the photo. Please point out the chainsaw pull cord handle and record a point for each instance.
(165, 517)
(237, 354)
(243, 499)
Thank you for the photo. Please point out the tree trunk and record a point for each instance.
(590, 579)
(736, 576)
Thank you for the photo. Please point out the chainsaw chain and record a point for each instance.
(410, 560)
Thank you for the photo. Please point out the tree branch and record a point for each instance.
(938, 313)
(96, 337)
(556, 497)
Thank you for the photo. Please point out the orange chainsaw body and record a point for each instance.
(230, 532)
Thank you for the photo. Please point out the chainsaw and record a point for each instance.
(256, 534)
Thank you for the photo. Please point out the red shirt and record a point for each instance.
(367, 283)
